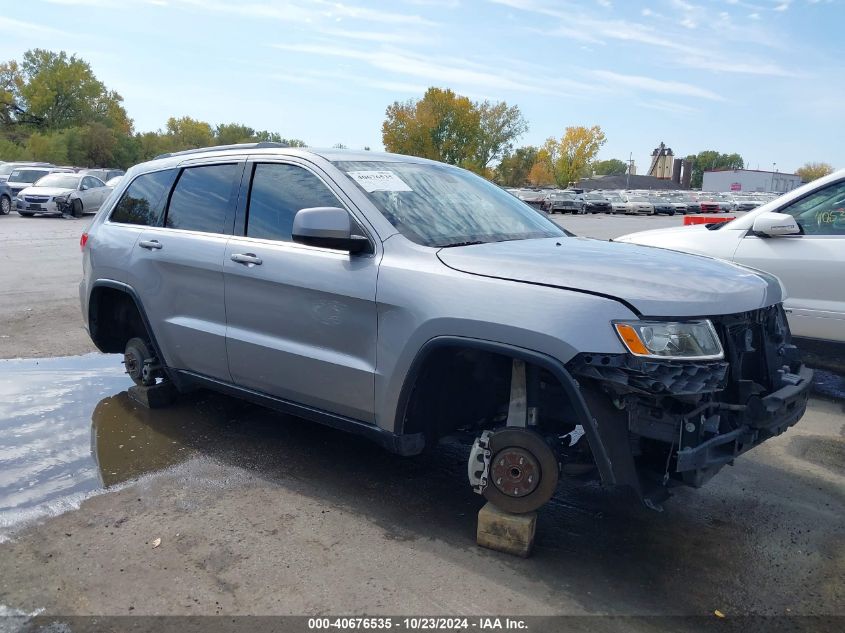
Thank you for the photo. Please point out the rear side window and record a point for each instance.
(143, 202)
(201, 199)
(277, 193)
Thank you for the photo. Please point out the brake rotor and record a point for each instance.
(515, 472)
(523, 470)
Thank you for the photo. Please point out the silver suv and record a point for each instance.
(406, 300)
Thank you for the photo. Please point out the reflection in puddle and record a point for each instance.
(63, 434)
(45, 431)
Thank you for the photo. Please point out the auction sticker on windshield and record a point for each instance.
(379, 181)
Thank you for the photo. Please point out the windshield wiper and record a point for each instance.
(453, 244)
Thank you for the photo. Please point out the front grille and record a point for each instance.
(37, 199)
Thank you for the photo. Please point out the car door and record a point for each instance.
(301, 320)
(98, 191)
(177, 268)
(88, 194)
(811, 265)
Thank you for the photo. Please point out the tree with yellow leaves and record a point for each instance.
(569, 158)
(812, 171)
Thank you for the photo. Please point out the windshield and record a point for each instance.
(63, 181)
(594, 196)
(438, 205)
(26, 175)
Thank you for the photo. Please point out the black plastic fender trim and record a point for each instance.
(553, 365)
(129, 290)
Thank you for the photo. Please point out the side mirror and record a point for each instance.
(327, 227)
(775, 225)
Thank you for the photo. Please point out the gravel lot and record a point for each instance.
(262, 513)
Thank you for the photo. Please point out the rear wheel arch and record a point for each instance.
(116, 315)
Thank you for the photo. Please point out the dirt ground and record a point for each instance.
(260, 513)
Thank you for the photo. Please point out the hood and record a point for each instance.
(656, 282)
(46, 191)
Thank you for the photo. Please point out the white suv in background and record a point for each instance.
(799, 237)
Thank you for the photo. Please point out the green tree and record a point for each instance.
(610, 167)
(514, 168)
(99, 143)
(61, 91)
(232, 133)
(709, 160)
(187, 133)
(500, 125)
(812, 171)
(450, 128)
(442, 126)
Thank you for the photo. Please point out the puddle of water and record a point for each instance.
(64, 434)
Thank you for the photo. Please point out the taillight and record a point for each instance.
(83, 240)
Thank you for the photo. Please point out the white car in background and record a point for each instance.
(63, 193)
(636, 204)
(799, 237)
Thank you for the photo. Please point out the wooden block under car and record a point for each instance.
(154, 396)
(506, 532)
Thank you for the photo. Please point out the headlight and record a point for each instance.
(685, 340)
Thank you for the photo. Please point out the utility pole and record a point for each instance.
(630, 167)
(774, 165)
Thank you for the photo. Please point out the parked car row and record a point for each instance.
(41, 188)
(636, 202)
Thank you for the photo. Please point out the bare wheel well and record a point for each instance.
(113, 319)
(465, 389)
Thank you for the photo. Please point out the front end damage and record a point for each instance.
(667, 422)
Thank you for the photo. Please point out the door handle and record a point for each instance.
(246, 258)
(150, 245)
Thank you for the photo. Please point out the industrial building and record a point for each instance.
(749, 180)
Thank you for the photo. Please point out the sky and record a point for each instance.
(763, 78)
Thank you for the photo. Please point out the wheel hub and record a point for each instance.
(132, 364)
(515, 472)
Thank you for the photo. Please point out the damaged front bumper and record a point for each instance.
(762, 418)
(664, 423)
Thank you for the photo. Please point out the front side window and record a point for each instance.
(202, 198)
(143, 201)
(439, 205)
(278, 191)
(822, 212)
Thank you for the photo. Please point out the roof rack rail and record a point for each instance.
(200, 150)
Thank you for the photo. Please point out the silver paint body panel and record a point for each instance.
(340, 332)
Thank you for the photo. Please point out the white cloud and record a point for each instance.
(315, 11)
(659, 86)
(446, 72)
(10, 25)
